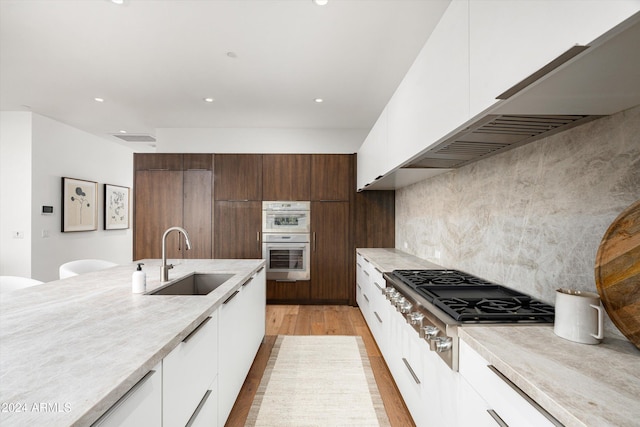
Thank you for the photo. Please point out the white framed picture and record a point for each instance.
(116, 207)
(79, 205)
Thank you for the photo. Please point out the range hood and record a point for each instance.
(583, 84)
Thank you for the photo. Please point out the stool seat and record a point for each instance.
(80, 266)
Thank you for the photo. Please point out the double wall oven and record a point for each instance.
(285, 239)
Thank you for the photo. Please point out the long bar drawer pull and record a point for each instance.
(525, 396)
(123, 399)
(366, 272)
(497, 418)
(188, 337)
(248, 280)
(378, 286)
(377, 317)
(233, 295)
(194, 417)
(365, 297)
(413, 374)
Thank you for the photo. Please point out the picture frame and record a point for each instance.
(79, 205)
(116, 207)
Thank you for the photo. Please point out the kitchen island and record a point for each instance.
(70, 349)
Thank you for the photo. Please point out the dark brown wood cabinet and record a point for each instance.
(331, 176)
(172, 190)
(375, 219)
(238, 226)
(330, 253)
(286, 176)
(237, 176)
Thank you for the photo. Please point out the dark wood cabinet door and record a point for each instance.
(157, 206)
(237, 230)
(331, 176)
(286, 176)
(238, 176)
(197, 162)
(375, 219)
(196, 208)
(331, 255)
(152, 161)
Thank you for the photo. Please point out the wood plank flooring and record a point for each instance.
(319, 320)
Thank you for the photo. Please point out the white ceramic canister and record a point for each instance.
(579, 316)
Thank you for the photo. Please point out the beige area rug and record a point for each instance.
(318, 380)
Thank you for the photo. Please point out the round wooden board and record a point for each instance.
(618, 272)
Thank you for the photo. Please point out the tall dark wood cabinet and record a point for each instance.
(331, 253)
(238, 206)
(331, 177)
(172, 190)
(286, 176)
(375, 219)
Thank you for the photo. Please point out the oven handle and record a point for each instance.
(285, 246)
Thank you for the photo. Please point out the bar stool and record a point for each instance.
(80, 266)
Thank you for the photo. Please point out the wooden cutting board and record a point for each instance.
(617, 272)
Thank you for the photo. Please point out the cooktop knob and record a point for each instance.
(405, 307)
(415, 318)
(430, 333)
(443, 344)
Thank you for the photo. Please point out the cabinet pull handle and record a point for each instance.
(286, 280)
(378, 286)
(123, 399)
(358, 264)
(413, 374)
(358, 285)
(378, 270)
(365, 297)
(248, 280)
(261, 268)
(314, 241)
(497, 418)
(525, 396)
(377, 317)
(258, 240)
(194, 417)
(158, 169)
(366, 272)
(233, 295)
(188, 337)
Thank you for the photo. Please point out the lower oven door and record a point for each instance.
(287, 261)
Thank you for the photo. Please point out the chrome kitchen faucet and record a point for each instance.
(164, 269)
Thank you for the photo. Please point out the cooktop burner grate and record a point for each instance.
(438, 277)
(504, 309)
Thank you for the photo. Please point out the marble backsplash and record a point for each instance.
(531, 218)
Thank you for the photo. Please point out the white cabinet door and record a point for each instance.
(372, 154)
(504, 398)
(510, 40)
(141, 406)
(188, 371)
(433, 97)
(242, 328)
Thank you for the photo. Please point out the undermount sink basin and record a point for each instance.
(196, 284)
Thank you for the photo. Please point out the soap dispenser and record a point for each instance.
(139, 280)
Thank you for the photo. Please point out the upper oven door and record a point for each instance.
(285, 217)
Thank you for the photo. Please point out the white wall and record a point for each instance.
(258, 140)
(36, 153)
(15, 187)
(63, 151)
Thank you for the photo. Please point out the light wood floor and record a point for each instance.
(319, 320)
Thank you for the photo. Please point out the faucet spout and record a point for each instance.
(164, 269)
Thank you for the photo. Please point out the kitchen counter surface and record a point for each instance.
(579, 384)
(70, 349)
(387, 260)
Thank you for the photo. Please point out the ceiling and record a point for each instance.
(154, 61)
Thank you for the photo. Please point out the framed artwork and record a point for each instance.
(79, 205)
(116, 207)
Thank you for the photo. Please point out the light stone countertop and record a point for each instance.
(579, 384)
(387, 259)
(69, 349)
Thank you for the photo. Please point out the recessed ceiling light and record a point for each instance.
(319, 100)
(99, 99)
(321, 2)
(117, 1)
(208, 99)
(232, 54)
(123, 131)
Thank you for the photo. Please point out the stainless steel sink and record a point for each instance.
(196, 284)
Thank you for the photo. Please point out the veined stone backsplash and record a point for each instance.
(531, 218)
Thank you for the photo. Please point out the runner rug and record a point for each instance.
(318, 380)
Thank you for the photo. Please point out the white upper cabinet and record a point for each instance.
(373, 152)
(433, 97)
(510, 40)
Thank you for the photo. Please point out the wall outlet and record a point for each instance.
(406, 245)
(45, 234)
(18, 234)
(437, 254)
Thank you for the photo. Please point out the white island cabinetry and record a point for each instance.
(242, 329)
